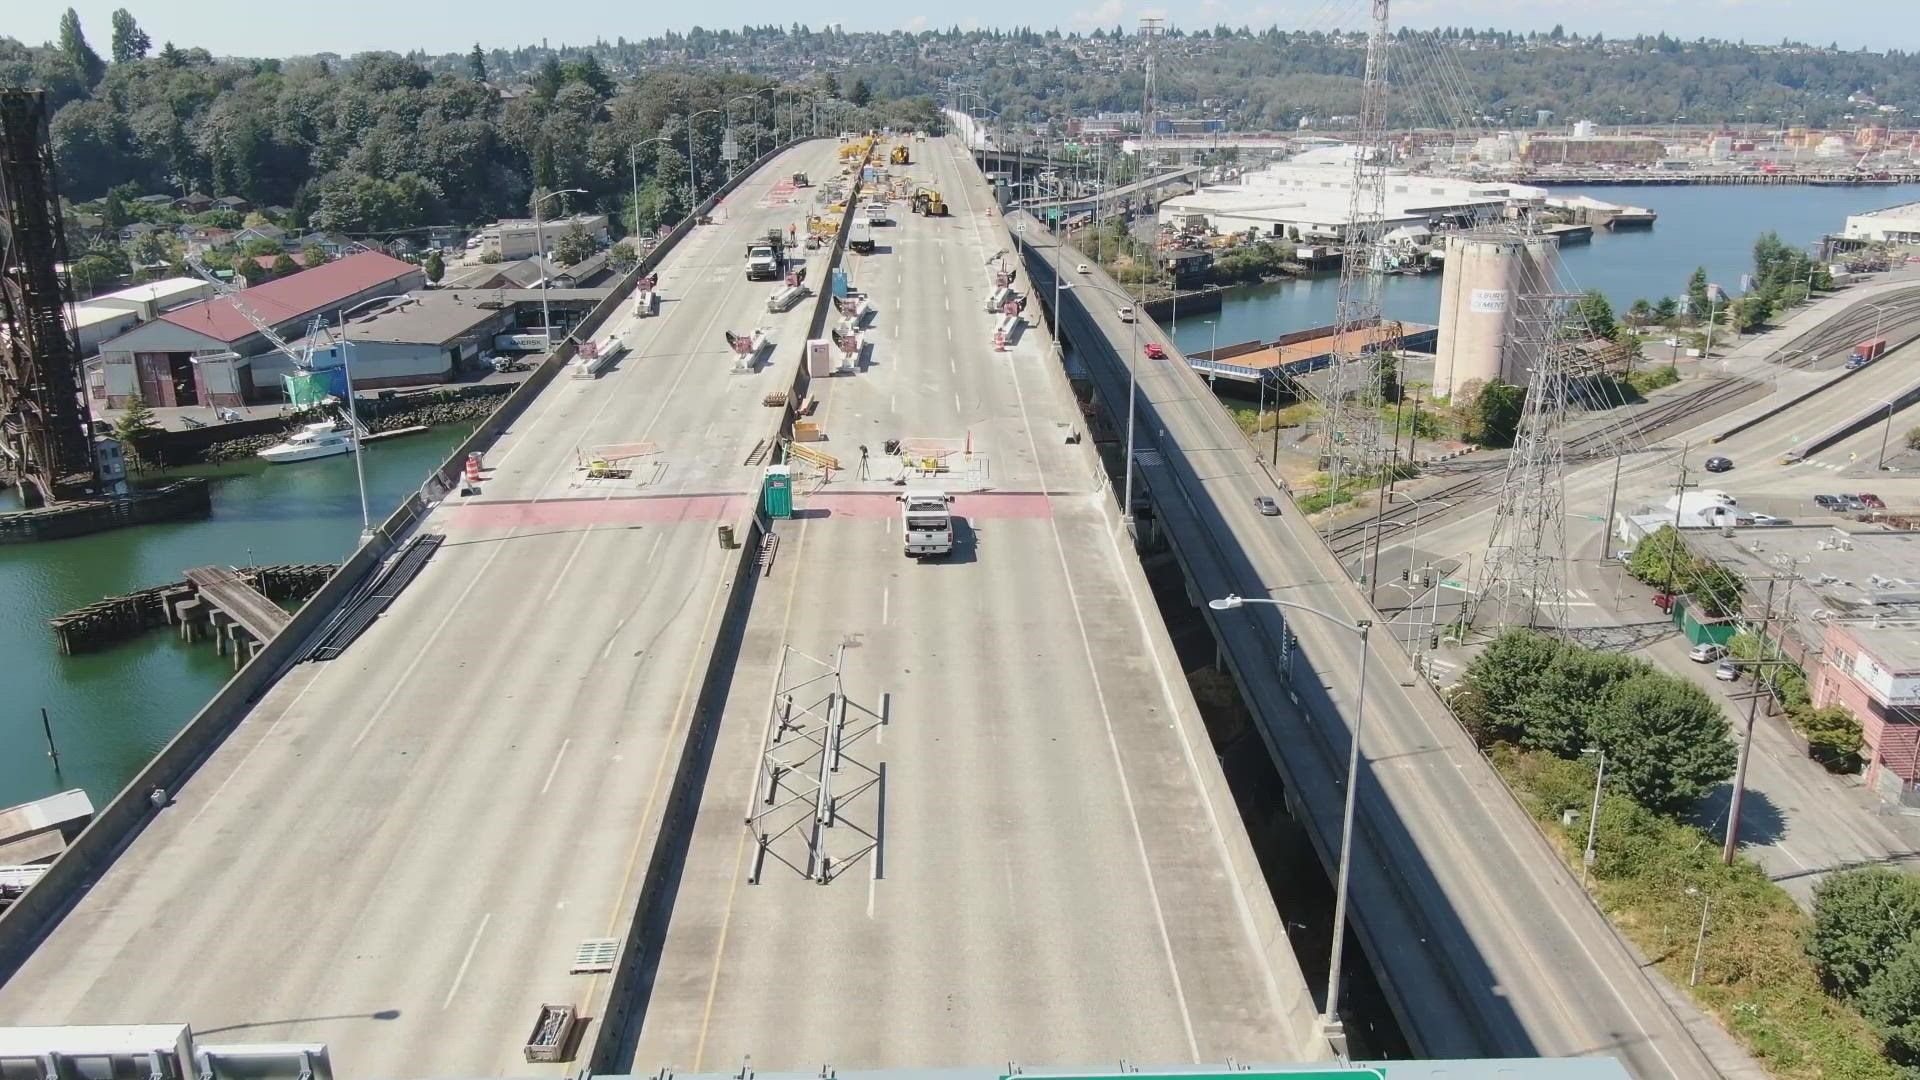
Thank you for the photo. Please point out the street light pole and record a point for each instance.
(353, 411)
(1593, 821)
(1880, 463)
(540, 245)
(1329, 1020)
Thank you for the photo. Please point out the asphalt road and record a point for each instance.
(1035, 858)
(397, 852)
(1489, 946)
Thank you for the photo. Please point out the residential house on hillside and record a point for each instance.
(193, 203)
(234, 203)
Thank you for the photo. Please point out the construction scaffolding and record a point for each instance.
(810, 774)
(44, 419)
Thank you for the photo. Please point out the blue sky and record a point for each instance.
(346, 26)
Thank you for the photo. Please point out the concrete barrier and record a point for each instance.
(1876, 415)
(28, 920)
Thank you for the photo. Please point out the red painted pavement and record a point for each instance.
(644, 510)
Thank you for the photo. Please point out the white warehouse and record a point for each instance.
(1311, 202)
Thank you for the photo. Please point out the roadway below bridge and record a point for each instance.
(398, 853)
(1484, 942)
(1033, 855)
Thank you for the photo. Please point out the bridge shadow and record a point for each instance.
(1399, 899)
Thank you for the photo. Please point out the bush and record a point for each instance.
(1861, 918)
(1833, 736)
(1892, 1002)
(1913, 438)
(1647, 380)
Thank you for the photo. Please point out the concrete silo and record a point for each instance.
(1482, 293)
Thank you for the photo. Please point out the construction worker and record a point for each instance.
(792, 232)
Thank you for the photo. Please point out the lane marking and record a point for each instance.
(886, 595)
(555, 771)
(612, 637)
(461, 975)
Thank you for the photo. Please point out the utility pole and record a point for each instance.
(1732, 844)
(1613, 499)
(1679, 500)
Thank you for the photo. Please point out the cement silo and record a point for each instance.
(1488, 275)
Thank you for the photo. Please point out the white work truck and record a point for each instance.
(926, 522)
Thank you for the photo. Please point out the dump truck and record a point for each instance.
(766, 257)
(900, 155)
(800, 180)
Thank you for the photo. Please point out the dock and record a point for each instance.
(104, 623)
(239, 613)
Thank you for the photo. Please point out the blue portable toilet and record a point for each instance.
(840, 283)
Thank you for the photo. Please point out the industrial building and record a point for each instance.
(1893, 225)
(432, 335)
(1295, 354)
(1310, 203)
(204, 353)
(1539, 150)
(109, 315)
(517, 238)
(1484, 305)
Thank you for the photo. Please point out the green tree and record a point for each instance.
(575, 245)
(548, 79)
(172, 57)
(1563, 706)
(1666, 310)
(1750, 313)
(1892, 1001)
(1833, 736)
(283, 265)
(1640, 313)
(435, 268)
(1504, 674)
(130, 43)
(313, 255)
(622, 257)
(134, 426)
(477, 64)
(1595, 314)
(860, 93)
(1497, 413)
(80, 57)
(261, 245)
(92, 273)
(1698, 302)
(1861, 918)
(1666, 740)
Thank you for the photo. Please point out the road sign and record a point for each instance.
(1452, 583)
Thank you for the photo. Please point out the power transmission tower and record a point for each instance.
(1351, 433)
(1523, 580)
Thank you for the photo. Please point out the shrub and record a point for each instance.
(1861, 918)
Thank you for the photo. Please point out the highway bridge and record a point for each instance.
(539, 777)
(1483, 941)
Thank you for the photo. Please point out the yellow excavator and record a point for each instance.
(900, 155)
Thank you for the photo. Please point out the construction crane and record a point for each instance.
(303, 361)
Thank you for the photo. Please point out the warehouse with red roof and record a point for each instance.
(211, 353)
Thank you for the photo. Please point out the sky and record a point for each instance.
(226, 27)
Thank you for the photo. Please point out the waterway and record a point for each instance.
(112, 710)
(1699, 225)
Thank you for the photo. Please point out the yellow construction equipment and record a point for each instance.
(899, 156)
(927, 201)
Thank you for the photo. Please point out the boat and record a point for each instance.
(324, 439)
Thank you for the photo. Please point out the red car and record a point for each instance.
(1871, 501)
(1155, 352)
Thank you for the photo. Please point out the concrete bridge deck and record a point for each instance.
(398, 852)
(1060, 874)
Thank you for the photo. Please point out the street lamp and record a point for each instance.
(633, 162)
(540, 243)
(353, 412)
(1880, 463)
(1133, 371)
(693, 175)
(1329, 1021)
(1879, 311)
(753, 96)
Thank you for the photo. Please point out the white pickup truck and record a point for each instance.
(926, 521)
(860, 236)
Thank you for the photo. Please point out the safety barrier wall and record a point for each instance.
(29, 918)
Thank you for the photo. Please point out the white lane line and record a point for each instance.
(949, 336)
(460, 976)
(555, 771)
(407, 676)
(611, 638)
(946, 303)
(956, 403)
(655, 549)
(255, 748)
(951, 367)
(886, 600)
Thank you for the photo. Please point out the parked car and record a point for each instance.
(1155, 352)
(1851, 503)
(1871, 501)
(1266, 505)
(1719, 464)
(1727, 671)
(1083, 268)
(1827, 502)
(1663, 601)
(1706, 652)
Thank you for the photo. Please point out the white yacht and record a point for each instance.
(324, 439)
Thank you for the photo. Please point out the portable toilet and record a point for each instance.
(840, 283)
(819, 358)
(777, 491)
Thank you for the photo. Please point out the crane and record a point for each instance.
(302, 360)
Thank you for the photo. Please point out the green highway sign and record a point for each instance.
(1452, 583)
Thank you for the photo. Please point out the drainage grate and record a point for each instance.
(595, 954)
(1149, 459)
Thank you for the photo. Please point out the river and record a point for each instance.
(111, 710)
(1699, 225)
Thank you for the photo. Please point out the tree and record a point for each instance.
(172, 57)
(130, 43)
(622, 257)
(1497, 413)
(283, 265)
(1503, 674)
(477, 64)
(91, 273)
(80, 57)
(1698, 303)
(1640, 313)
(1666, 741)
(113, 211)
(548, 79)
(1833, 736)
(860, 93)
(1892, 1002)
(134, 425)
(1750, 313)
(1593, 312)
(1666, 310)
(435, 268)
(575, 245)
(1861, 918)
(312, 255)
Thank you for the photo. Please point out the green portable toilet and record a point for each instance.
(778, 491)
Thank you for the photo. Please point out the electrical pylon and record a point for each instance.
(1350, 436)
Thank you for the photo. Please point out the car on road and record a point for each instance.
(1706, 652)
(1719, 464)
(1266, 505)
(1663, 601)
(1851, 502)
(1083, 268)
(1769, 519)
(1727, 671)
(1827, 502)
(1125, 313)
(1155, 352)
(1871, 501)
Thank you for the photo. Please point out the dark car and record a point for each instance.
(1719, 464)
(1871, 501)
(1851, 502)
(1266, 505)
